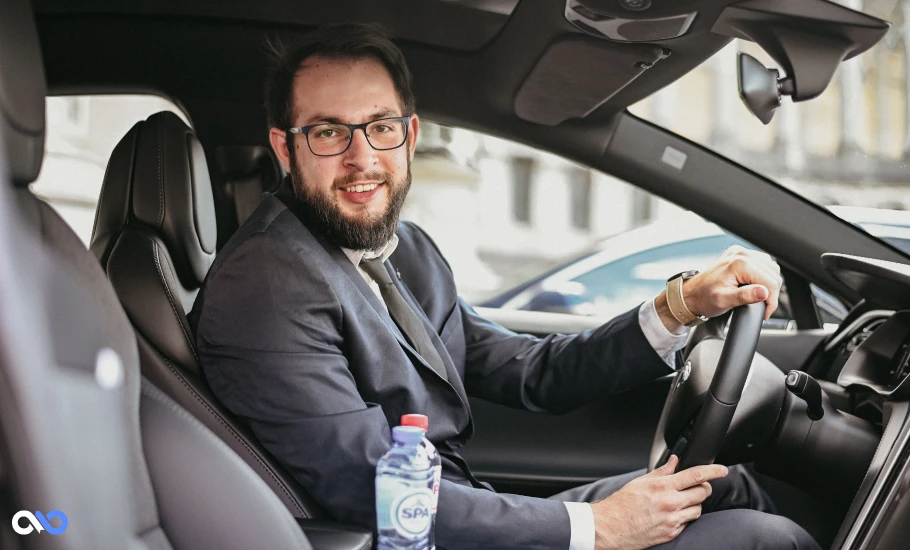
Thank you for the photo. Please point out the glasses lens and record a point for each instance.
(328, 139)
(386, 133)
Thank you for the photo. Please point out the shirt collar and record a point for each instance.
(357, 256)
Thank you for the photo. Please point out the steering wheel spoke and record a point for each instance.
(704, 397)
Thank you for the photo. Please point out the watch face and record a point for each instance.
(684, 274)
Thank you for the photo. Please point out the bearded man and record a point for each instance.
(324, 319)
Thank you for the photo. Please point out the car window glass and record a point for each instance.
(527, 230)
(82, 131)
(847, 149)
(619, 285)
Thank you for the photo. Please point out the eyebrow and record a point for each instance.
(332, 119)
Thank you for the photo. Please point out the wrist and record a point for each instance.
(666, 316)
(678, 294)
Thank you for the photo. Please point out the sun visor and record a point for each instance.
(578, 74)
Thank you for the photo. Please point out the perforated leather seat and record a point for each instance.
(78, 445)
(155, 235)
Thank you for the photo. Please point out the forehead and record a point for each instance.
(345, 89)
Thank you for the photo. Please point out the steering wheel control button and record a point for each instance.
(684, 374)
(806, 388)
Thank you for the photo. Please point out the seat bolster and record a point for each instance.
(207, 496)
(141, 272)
(194, 395)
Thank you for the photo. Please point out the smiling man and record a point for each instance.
(325, 318)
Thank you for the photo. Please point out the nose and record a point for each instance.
(360, 155)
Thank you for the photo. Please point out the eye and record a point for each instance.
(382, 128)
(326, 133)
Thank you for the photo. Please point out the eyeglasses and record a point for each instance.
(326, 140)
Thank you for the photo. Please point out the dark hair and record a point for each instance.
(339, 41)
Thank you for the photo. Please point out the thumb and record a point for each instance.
(752, 294)
(667, 469)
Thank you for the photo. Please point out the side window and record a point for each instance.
(526, 230)
(618, 284)
(82, 131)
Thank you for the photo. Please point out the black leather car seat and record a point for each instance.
(75, 404)
(241, 175)
(155, 236)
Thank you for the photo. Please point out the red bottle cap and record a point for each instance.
(418, 420)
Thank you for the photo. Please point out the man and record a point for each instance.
(324, 319)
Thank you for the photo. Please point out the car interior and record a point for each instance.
(105, 412)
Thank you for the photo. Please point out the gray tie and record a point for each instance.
(406, 318)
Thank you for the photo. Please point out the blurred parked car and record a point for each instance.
(632, 267)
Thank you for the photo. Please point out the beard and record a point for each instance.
(362, 231)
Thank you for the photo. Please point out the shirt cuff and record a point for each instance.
(664, 342)
(581, 525)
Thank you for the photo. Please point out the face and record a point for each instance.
(355, 197)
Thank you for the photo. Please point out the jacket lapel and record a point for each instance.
(357, 279)
(434, 337)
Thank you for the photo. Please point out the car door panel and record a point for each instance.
(540, 454)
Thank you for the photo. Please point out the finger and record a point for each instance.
(734, 249)
(770, 277)
(695, 495)
(696, 475)
(690, 514)
(748, 294)
(759, 271)
(667, 469)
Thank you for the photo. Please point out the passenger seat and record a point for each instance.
(82, 433)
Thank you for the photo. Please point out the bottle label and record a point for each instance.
(437, 476)
(412, 513)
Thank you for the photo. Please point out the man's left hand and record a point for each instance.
(739, 277)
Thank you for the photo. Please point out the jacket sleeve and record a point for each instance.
(553, 374)
(559, 372)
(270, 341)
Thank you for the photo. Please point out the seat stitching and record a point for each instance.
(160, 180)
(172, 300)
(229, 428)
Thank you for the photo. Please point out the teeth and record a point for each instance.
(362, 188)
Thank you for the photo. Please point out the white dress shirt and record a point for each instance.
(664, 342)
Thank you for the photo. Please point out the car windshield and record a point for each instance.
(848, 147)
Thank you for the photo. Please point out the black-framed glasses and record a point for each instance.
(329, 139)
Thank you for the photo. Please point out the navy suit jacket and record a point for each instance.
(293, 340)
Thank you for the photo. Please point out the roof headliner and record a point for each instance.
(469, 58)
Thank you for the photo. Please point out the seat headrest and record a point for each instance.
(22, 91)
(158, 176)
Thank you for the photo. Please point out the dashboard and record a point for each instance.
(880, 356)
(873, 352)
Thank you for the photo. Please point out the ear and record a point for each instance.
(412, 135)
(278, 139)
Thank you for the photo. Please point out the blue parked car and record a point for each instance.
(632, 267)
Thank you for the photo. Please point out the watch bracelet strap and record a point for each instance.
(677, 304)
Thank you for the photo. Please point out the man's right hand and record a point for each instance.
(654, 508)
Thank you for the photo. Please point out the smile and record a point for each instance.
(362, 193)
(361, 188)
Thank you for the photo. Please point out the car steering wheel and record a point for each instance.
(694, 423)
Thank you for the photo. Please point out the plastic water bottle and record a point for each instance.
(421, 421)
(404, 493)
